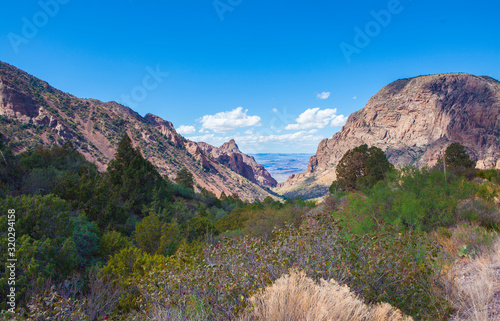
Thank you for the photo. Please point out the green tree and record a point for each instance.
(2, 145)
(172, 237)
(185, 179)
(361, 167)
(209, 198)
(111, 243)
(45, 248)
(126, 268)
(200, 226)
(86, 241)
(10, 173)
(456, 156)
(155, 237)
(132, 177)
(149, 234)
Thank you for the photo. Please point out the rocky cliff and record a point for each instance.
(413, 120)
(230, 156)
(33, 113)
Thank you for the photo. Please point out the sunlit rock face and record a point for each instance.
(414, 120)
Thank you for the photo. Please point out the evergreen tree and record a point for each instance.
(361, 167)
(132, 177)
(10, 173)
(456, 156)
(185, 179)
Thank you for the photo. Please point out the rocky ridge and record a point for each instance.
(230, 155)
(33, 113)
(413, 120)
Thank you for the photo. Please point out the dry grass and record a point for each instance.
(472, 284)
(477, 238)
(297, 297)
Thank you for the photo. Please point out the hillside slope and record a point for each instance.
(230, 155)
(34, 113)
(413, 120)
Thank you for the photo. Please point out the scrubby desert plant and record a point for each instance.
(393, 268)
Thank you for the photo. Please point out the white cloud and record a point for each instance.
(323, 95)
(255, 140)
(210, 138)
(275, 110)
(186, 130)
(354, 97)
(228, 121)
(338, 121)
(317, 118)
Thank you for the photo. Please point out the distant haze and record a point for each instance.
(281, 166)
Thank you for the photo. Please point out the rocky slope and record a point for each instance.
(413, 120)
(34, 113)
(245, 165)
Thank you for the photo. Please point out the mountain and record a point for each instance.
(34, 113)
(413, 120)
(230, 156)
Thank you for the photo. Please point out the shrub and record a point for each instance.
(50, 305)
(394, 268)
(492, 175)
(298, 297)
(125, 267)
(110, 243)
(480, 211)
(252, 219)
(412, 199)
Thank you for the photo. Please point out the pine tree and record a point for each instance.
(132, 177)
(456, 156)
(185, 179)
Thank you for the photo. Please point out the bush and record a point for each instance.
(394, 268)
(298, 297)
(479, 211)
(125, 268)
(412, 199)
(110, 243)
(44, 248)
(492, 175)
(261, 222)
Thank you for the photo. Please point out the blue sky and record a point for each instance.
(276, 76)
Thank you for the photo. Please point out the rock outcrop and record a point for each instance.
(33, 113)
(230, 156)
(414, 120)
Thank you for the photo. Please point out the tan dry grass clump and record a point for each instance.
(298, 297)
(472, 285)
